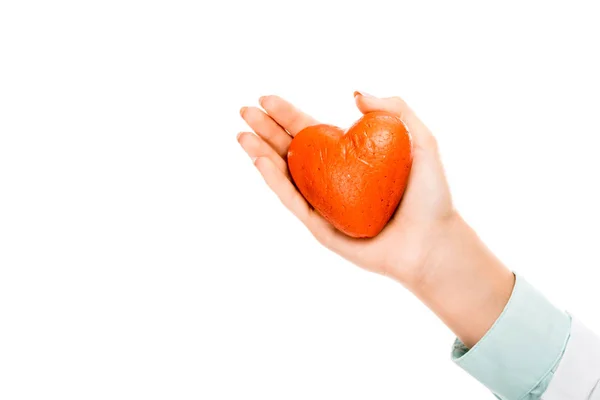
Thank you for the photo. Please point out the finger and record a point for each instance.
(286, 115)
(293, 201)
(268, 129)
(421, 135)
(284, 189)
(257, 147)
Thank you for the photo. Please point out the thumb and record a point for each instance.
(421, 135)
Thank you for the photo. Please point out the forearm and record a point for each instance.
(463, 283)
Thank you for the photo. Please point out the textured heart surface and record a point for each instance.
(354, 179)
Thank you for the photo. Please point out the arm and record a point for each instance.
(516, 338)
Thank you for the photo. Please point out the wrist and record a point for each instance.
(462, 282)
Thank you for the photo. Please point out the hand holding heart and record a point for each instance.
(402, 248)
(426, 245)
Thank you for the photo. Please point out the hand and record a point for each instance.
(402, 248)
(426, 245)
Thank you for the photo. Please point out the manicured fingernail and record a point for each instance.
(363, 94)
(242, 110)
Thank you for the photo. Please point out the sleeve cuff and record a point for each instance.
(521, 349)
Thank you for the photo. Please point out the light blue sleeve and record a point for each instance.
(519, 355)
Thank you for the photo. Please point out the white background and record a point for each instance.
(141, 255)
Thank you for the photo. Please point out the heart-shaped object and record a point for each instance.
(354, 179)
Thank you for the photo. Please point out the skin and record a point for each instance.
(426, 246)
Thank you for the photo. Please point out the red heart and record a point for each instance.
(356, 179)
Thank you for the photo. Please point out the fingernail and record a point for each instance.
(238, 136)
(261, 99)
(363, 94)
(254, 160)
(242, 110)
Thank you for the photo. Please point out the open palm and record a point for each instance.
(402, 247)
